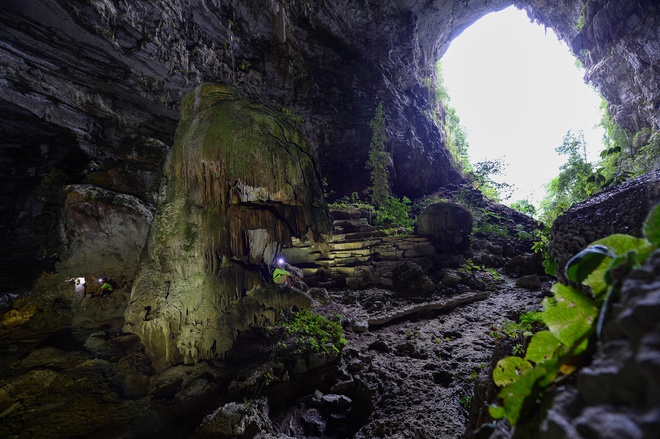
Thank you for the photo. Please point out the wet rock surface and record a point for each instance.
(621, 209)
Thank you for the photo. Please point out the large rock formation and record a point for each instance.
(241, 182)
(91, 89)
(620, 209)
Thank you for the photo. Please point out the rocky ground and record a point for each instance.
(412, 377)
(421, 370)
(408, 371)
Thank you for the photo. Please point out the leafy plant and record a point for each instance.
(541, 246)
(572, 184)
(527, 323)
(482, 174)
(524, 206)
(395, 211)
(311, 331)
(626, 154)
(573, 318)
(470, 267)
(488, 223)
(291, 117)
(493, 272)
(446, 116)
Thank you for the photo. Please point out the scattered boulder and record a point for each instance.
(448, 225)
(525, 264)
(236, 420)
(529, 282)
(451, 278)
(410, 279)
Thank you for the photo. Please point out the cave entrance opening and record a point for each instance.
(518, 90)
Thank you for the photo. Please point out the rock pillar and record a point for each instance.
(240, 182)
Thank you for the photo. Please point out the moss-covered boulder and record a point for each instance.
(240, 182)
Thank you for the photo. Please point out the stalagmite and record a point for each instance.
(241, 184)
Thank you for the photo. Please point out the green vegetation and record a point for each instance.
(625, 155)
(527, 324)
(291, 117)
(524, 206)
(574, 319)
(541, 246)
(395, 212)
(470, 267)
(389, 210)
(481, 176)
(308, 331)
(475, 372)
(572, 184)
(488, 222)
(379, 160)
(456, 140)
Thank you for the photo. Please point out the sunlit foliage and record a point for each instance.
(379, 160)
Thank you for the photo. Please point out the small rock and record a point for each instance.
(379, 346)
(409, 278)
(451, 279)
(320, 294)
(530, 282)
(359, 326)
(312, 422)
(343, 387)
(355, 365)
(333, 401)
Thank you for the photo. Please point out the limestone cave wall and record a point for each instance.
(91, 91)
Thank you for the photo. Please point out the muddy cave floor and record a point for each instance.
(419, 368)
(409, 378)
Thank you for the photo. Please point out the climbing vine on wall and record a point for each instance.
(574, 319)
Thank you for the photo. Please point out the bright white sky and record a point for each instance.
(517, 92)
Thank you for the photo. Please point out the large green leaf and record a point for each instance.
(542, 347)
(570, 316)
(510, 369)
(618, 244)
(580, 266)
(652, 226)
(519, 396)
